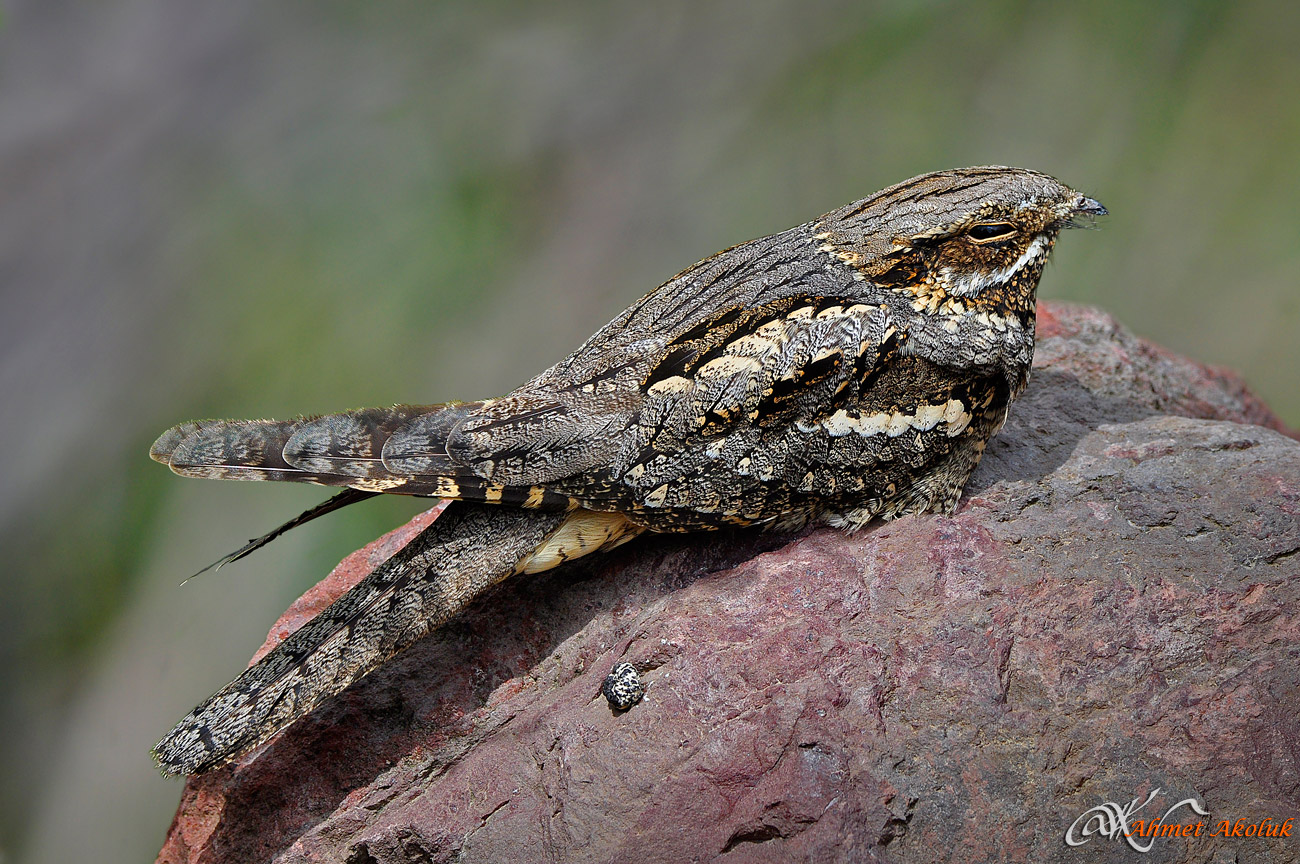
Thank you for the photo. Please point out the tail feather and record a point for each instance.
(378, 445)
(161, 450)
(400, 450)
(232, 450)
(354, 443)
(419, 448)
(338, 502)
(349, 444)
(469, 548)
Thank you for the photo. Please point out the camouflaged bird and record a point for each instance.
(850, 368)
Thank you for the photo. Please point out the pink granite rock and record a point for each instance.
(1112, 610)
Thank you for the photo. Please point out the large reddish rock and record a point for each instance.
(1110, 612)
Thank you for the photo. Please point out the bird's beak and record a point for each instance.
(1089, 207)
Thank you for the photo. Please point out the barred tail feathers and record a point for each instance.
(400, 450)
(334, 450)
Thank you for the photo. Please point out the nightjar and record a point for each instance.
(850, 368)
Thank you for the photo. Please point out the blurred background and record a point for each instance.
(271, 208)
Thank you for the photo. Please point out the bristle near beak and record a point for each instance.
(1083, 213)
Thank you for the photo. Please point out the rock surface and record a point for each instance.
(1112, 610)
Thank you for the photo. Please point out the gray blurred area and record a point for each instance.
(265, 209)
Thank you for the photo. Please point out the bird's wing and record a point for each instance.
(576, 418)
(798, 404)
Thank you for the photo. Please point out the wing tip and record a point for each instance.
(167, 766)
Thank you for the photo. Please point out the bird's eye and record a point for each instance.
(990, 232)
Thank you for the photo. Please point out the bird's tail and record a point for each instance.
(400, 450)
(469, 548)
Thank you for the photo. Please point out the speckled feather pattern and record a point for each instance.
(850, 368)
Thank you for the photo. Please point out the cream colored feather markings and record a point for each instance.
(971, 284)
(848, 369)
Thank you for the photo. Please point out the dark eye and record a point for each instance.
(988, 232)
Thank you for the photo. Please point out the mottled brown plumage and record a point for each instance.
(849, 368)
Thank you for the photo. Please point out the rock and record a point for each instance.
(1111, 611)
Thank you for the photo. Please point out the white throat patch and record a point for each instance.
(972, 284)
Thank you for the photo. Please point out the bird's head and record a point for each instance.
(970, 238)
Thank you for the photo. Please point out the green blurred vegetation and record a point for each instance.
(268, 209)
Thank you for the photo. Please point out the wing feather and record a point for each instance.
(727, 401)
